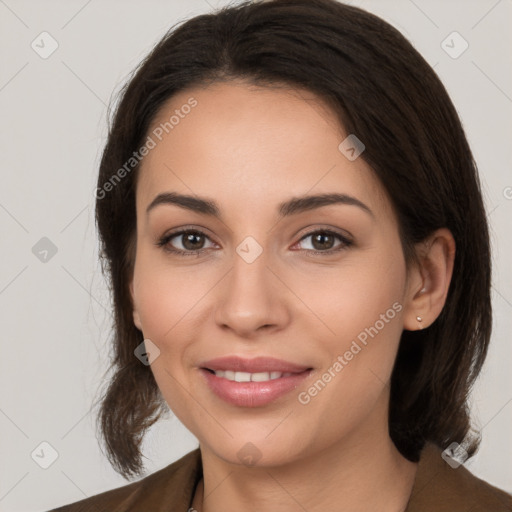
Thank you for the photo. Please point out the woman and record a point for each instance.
(288, 209)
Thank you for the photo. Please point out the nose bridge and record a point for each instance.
(250, 296)
(250, 263)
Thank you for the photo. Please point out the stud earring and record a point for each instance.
(419, 319)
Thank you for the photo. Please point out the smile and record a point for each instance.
(244, 389)
(250, 377)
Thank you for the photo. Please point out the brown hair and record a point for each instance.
(384, 92)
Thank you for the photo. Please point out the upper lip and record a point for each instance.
(255, 365)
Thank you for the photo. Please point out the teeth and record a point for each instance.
(229, 375)
(242, 377)
(250, 377)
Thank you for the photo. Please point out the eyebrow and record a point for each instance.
(293, 206)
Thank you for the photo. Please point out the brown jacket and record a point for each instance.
(437, 488)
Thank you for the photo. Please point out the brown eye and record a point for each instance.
(324, 241)
(191, 241)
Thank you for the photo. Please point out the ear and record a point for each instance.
(136, 316)
(429, 281)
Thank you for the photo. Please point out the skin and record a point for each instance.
(250, 148)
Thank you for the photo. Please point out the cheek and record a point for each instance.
(356, 295)
(164, 295)
(362, 308)
(165, 300)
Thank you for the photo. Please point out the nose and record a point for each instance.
(251, 299)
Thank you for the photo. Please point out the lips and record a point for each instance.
(252, 382)
(256, 365)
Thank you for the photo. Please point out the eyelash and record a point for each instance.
(163, 242)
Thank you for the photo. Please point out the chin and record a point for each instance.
(257, 451)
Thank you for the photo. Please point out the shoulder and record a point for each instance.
(445, 487)
(173, 485)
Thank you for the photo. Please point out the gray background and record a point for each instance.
(55, 313)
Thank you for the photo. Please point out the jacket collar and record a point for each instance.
(437, 486)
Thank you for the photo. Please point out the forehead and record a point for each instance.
(251, 147)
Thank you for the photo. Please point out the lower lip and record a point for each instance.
(252, 394)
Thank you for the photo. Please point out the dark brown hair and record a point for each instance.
(384, 92)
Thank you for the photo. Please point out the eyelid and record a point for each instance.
(164, 240)
(186, 229)
(345, 239)
(325, 229)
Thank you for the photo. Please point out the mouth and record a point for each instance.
(252, 366)
(252, 382)
(235, 376)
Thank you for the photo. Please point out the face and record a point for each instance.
(323, 287)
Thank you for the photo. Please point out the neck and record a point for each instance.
(356, 477)
(361, 472)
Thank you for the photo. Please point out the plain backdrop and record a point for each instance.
(55, 324)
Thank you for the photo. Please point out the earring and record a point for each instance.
(419, 319)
